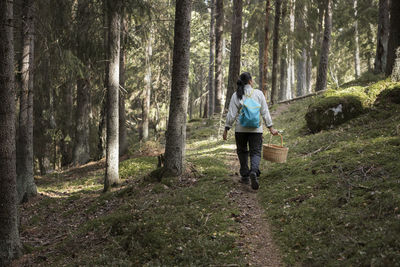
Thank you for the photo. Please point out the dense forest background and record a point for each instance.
(69, 64)
(88, 79)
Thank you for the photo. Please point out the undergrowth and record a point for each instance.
(182, 221)
(336, 201)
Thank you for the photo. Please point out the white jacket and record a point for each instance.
(236, 104)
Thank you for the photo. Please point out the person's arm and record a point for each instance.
(267, 116)
(234, 105)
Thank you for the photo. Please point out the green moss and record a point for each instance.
(334, 202)
(332, 110)
(389, 95)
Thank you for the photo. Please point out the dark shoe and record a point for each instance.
(254, 180)
(244, 180)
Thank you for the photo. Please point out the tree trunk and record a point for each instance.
(210, 100)
(176, 131)
(191, 105)
(112, 159)
(302, 59)
(382, 36)
(260, 58)
(147, 93)
(234, 61)
(123, 142)
(283, 76)
(219, 28)
(275, 53)
(283, 64)
(9, 237)
(201, 90)
(264, 73)
(309, 65)
(102, 131)
(291, 78)
(26, 187)
(81, 152)
(301, 73)
(357, 70)
(324, 54)
(394, 35)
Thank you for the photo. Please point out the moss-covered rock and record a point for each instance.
(329, 111)
(389, 95)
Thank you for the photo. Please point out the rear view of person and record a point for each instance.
(246, 107)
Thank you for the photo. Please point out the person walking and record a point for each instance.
(246, 106)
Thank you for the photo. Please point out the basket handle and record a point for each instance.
(281, 139)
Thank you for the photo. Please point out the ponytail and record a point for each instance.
(240, 89)
(244, 79)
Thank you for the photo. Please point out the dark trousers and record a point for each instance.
(245, 143)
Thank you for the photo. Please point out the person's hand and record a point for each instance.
(225, 135)
(273, 131)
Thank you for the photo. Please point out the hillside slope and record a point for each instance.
(337, 199)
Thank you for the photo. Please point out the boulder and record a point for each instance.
(329, 111)
(389, 95)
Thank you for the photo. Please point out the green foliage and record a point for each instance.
(334, 202)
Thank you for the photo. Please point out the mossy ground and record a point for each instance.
(336, 201)
(176, 222)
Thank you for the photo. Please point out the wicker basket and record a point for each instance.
(275, 153)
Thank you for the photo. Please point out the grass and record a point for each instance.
(336, 201)
(178, 222)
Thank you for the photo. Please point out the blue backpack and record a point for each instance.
(249, 115)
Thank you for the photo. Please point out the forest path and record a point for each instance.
(255, 235)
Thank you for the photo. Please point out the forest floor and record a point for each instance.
(335, 202)
(206, 217)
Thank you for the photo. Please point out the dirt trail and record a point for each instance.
(255, 236)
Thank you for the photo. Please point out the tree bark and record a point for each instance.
(382, 36)
(275, 53)
(357, 70)
(112, 151)
(283, 59)
(324, 54)
(291, 69)
(26, 187)
(219, 28)
(264, 73)
(236, 38)
(176, 131)
(210, 101)
(283, 75)
(309, 65)
(81, 151)
(123, 142)
(81, 154)
(301, 73)
(147, 92)
(394, 35)
(302, 59)
(9, 236)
